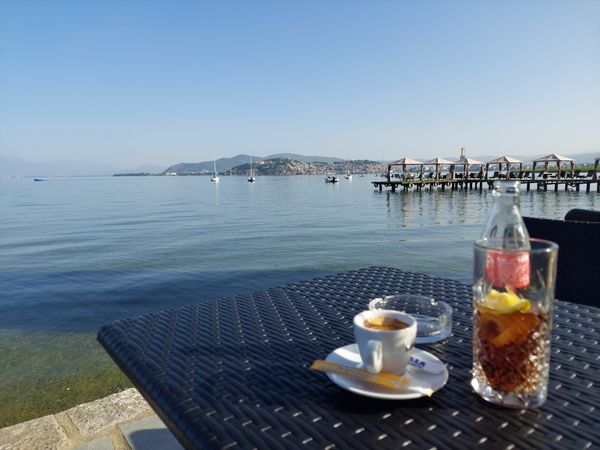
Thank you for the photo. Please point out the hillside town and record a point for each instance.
(282, 166)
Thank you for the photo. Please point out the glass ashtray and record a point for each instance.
(434, 318)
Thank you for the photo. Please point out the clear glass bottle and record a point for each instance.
(513, 292)
(505, 227)
(505, 234)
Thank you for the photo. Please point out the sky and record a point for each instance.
(161, 82)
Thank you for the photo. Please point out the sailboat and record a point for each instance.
(348, 175)
(215, 176)
(251, 178)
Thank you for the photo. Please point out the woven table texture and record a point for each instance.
(233, 373)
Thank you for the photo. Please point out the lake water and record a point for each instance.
(79, 252)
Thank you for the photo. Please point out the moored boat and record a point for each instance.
(215, 176)
(251, 178)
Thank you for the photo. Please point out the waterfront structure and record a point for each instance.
(404, 162)
(554, 159)
(437, 162)
(466, 162)
(503, 161)
(466, 180)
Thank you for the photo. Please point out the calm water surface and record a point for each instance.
(79, 252)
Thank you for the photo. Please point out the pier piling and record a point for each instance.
(455, 185)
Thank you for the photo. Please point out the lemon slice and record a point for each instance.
(505, 302)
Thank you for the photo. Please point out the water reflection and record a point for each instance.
(469, 207)
(436, 207)
(554, 205)
(216, 192)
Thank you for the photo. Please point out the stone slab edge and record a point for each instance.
(78, 425)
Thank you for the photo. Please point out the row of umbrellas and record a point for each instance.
(465, 162)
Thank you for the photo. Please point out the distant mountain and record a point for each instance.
(325, 159)
(206, 167)
(288, 166)
(226, 164)
(274, 166)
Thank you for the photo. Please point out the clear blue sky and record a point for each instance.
(134, 82)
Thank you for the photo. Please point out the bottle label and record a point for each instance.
(510, 269)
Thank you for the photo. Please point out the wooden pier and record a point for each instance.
(553, 184)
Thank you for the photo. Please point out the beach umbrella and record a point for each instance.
(556, 159)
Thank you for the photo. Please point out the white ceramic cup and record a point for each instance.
(385, 350)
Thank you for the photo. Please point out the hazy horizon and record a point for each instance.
(110, 82)
(22, 167)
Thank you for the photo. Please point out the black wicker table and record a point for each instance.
(233, 373)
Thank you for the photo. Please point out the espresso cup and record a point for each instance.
(383, 348)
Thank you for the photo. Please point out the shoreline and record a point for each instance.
(48, 372)
(119, 421)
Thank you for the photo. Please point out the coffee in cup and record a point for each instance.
(383, 323)
(385, 339)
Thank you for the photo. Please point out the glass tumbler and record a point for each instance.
(511, 329)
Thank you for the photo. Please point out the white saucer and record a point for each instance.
(349, 356)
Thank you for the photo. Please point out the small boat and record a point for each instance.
(251, 178)
(38, 179)
(215, 176)
(348, 175)
(331, 179)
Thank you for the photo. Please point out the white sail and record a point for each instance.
(215, 176)
(251, 176)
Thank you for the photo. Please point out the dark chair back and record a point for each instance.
(578, 273)
(583, 215)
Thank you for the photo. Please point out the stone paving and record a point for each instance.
(122, 421)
